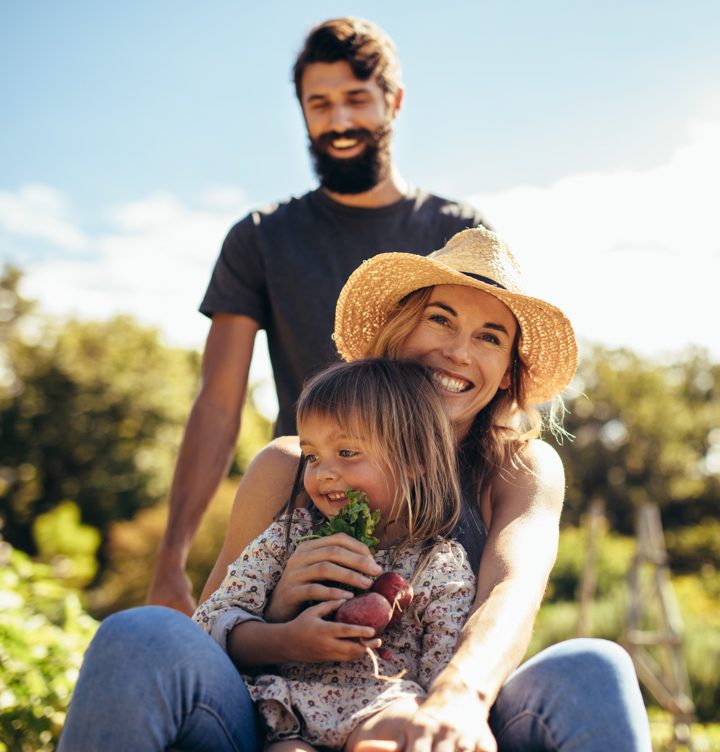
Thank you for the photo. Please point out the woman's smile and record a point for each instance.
(465, 336)
(449, 382)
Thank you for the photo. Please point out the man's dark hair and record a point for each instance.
(362, 44)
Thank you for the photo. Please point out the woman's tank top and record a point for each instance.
(470, 531)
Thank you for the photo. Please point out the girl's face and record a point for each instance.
(336, 463)
(465, 336)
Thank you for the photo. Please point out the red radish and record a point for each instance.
(397, 590)
(367, 610)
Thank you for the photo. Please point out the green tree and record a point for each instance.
(644, 431)
(89, 411)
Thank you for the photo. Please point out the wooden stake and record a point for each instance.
(653, 631)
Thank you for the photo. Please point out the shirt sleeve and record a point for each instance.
(238, 284)
(451, 594)
(248, 584)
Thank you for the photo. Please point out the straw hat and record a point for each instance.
(472, 258)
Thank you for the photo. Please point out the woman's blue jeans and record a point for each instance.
(153, 680)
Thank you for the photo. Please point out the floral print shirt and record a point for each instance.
(322, 703)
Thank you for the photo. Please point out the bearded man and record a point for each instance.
(281, 268)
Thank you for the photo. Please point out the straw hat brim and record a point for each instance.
(547, 344)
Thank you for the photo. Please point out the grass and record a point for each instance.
(705, 737)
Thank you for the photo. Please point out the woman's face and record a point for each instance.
(465, 336)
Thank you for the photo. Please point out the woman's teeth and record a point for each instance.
(449, 383)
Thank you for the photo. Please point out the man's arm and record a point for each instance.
(205, 454)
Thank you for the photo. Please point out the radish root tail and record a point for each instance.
(376, 668)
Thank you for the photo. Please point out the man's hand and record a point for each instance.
(170, 586)
(337, 558)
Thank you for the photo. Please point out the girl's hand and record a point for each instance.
(312, 639)
(336, 558)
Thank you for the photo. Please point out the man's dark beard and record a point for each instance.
(355, 174)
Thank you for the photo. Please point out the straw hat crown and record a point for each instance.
(480, 252)
(473, 258)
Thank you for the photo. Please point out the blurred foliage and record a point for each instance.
(43, 635)
(697, 596)
(68, 545)
(255, 432)
(91, 412)
(705, 736)
(695, 548)
(132, 543)
(644, 431)
(614, 557)
(131, 553)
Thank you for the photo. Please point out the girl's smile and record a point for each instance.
(335, 463)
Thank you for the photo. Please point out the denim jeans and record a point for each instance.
(153, 680)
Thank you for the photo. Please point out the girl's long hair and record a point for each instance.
(501, 429)
(391, 408)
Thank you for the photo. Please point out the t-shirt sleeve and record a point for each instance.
(250, 580)
(238, 282)
(247, 585)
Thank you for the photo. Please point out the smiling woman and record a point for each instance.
(494, 354)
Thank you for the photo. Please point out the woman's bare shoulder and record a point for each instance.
(539, 457)
(535, 469)
(263, 489)
(281, 455)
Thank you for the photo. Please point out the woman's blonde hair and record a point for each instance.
(502, 428)
(393, 410)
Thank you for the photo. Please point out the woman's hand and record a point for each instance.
(336, 558)
(451, 719)
(312, 639)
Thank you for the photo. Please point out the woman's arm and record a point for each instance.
(519, 554)
(264, 488)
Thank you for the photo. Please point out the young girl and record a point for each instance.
(376, 426)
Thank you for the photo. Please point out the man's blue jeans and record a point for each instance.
(153, 680)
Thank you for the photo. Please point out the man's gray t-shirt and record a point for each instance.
(284, 267)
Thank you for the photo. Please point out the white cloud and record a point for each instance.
(632, 257)
(41, 213)
(153, 262)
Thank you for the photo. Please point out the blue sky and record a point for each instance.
(134, 134)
